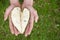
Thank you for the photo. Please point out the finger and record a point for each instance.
(16, 31)
(35, 15)
(31, 24)
(23, 6)
(11, 25)
(26, 32)
(8, 10)
(34, 12)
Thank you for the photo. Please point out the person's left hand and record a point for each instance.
(13, 3)
(33, 16)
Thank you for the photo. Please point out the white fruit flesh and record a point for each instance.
(25, 18)
(20, 19)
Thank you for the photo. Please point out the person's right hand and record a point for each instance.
(13, 3)
(33, 16)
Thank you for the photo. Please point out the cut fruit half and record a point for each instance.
(20, 18)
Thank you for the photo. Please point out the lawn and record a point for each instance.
(47, 28)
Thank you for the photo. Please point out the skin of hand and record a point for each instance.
(13, 3)
(28, 4)
(33, 15)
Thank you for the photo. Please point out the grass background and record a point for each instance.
(47, 28)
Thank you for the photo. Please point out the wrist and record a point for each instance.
(14, 1)
(28, 2)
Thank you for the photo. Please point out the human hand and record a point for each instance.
(33, 15)
(13, 3)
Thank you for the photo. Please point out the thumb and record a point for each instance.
(23, 6)
(36, 16)
(7, 12)
(36, 19)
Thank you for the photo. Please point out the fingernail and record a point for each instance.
(36, 21)
(12, 32)
(16, 34)
(26, 35)
(5, 18)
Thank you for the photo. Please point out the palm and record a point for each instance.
(33, 17)
(7, 13)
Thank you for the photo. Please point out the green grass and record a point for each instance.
(47, 28)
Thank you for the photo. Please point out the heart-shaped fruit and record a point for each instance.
(20, 18)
